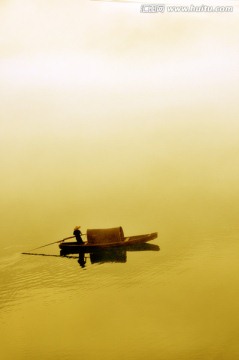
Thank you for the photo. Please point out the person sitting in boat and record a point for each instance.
(77, 233)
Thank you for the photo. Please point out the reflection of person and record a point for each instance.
(81, 259)
(78, 234)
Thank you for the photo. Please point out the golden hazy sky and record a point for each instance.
(93, 88)
(100, 44)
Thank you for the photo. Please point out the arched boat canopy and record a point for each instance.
(105, 236)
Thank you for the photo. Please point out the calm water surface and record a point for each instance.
(180, 302)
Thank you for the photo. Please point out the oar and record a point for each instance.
(55, 242)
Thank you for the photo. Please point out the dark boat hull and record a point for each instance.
(74, 247)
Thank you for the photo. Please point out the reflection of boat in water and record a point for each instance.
(119, 254)
(100, 239)
(111, 255)
(99, 255)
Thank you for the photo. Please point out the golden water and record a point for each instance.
(104, 124)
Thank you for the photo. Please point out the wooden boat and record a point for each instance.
(99, 239)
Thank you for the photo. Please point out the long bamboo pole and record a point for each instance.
(54, 242)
